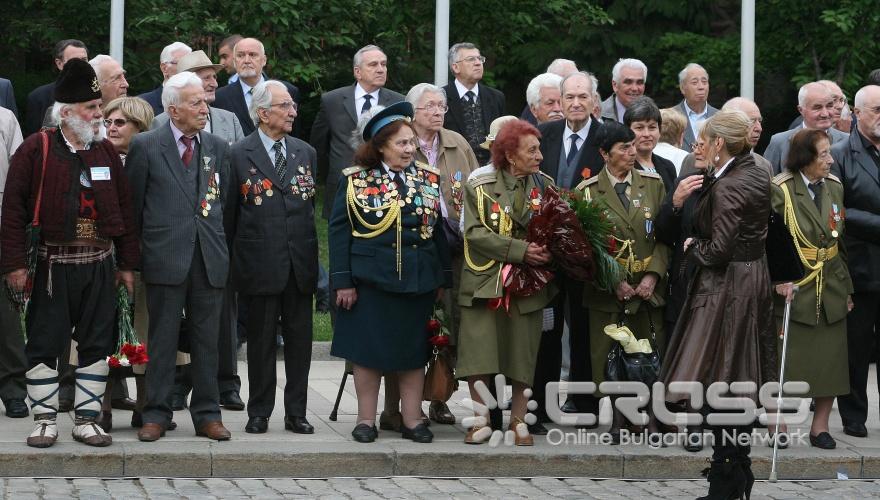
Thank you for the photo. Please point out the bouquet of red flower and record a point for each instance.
(437, 331)
(440, 380)
(129, 351)
(600, 237)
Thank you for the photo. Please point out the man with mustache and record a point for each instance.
(628, 79)
(84, 205)
(693, 81)
(544, 98)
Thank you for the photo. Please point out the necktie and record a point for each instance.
(469, 98)
(401, 186)
(816, 188)
(573, 150)
(367, 105)
(187, 155)
(280, 160)
(620, 187)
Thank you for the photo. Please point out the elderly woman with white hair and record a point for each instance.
(448, 152)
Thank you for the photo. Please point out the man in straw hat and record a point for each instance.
(74, 285)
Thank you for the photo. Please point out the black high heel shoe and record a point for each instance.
(727, 479)
(746, 464)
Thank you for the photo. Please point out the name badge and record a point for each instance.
(100, 173)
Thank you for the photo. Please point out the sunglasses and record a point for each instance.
(119, 122)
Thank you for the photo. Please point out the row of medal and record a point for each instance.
(374, 190)
(302, 185)
(212, 195)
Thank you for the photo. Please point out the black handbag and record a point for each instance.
(635, 367)
(783, 261)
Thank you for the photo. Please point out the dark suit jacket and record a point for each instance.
(7, 96)
(551, 145)
(689, 139)
(861, 197)
(279, 234)
(331, 133)
(38, 101)
(231, 98)
(154, 97)
(169, 215)
(491, 102)
(665, 168)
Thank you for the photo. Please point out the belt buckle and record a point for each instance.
(821, 254)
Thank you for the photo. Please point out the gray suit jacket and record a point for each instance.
(224, 124)
(276, 235)
(7, 96)
(169, 215)
(689, 138)
(777, 151)
(331, 134)
(609, 111)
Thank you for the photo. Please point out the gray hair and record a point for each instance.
(682, 75)
(453, 51)
(261, 98)
(862, 94)
(259, 43)
(359, 55)
(558, 65)
(97, 62)
(533, 91)
(357, 135)
(166, 57)
(55, 114)
(628, 63)
(802, 92)
(415, 94)
(171, 89)
(589, 76)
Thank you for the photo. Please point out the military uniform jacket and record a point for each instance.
(823, 229)
(273, 219)
(486, 247)
(635, 223)
(365, 244)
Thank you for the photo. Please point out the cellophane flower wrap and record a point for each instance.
(129, 350)
(599, 233)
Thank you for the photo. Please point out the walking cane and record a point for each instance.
(785, 319)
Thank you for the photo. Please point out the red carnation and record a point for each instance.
(113, 361)
(433, 325)
(439, 340)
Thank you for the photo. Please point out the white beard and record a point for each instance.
(83, 130)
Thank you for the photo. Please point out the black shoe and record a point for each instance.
(364, 433)
(855, 430)
(16, 408)
(298, 425)
(615, 436)
(537, 429)
(230, 400)
(418, 434)
(569, 407)
(693, 440)
(137, 420)
(496, 419)
(727, 479)
(126, 404)
(257, 425)
(823, 440)
(177, 401)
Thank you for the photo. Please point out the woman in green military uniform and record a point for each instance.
(389, 261)
(633, 199)
(498, 333)
(811, 200)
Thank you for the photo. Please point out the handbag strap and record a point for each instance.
(621, 320)
(44, 139)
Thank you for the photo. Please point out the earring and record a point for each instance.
(513, 164)
(717, 158)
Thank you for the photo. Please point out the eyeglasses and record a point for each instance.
(119, 122)
(431, 108)
(286, 105)
(698, 145)
(473, 59)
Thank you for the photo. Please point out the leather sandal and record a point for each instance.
(478, 434)
(520, 432)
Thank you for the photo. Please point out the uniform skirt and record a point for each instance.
(384, 331)
(492, 342)
(817, 355)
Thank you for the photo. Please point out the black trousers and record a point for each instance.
(84, 299)
(202, 303)
(861, 338)
(581, 366)
(13, 363)
(295, 310)
(549, 363)
(227, 351)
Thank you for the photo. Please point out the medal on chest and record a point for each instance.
(833, 219)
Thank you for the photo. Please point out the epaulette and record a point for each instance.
(650, 175)
(482, 175)
(352, 170)
(547, 177)
(429, 168)
(834, 178)
(782, 177)
(585, 183)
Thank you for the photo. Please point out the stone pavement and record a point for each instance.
(331, 452)
(412, 487)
